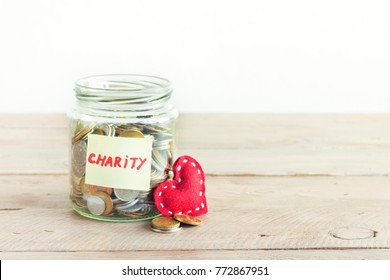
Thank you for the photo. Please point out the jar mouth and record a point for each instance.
(123, 83)
(123, 95)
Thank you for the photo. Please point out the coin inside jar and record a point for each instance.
(83, 132)
(99, 204)
(96, 205)
(79, 152)
(131, 133)
(126, 195)
(92, 189)
(108, 204)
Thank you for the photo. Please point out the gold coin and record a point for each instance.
(165, 223)
(131, 133)
(80, 134)
(186, 219)
(107, 201)
(92, 189)
(95, 189)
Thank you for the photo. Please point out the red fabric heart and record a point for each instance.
(185, 194)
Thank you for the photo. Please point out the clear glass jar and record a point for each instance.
(122, 131)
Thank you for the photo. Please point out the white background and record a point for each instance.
(220, 55)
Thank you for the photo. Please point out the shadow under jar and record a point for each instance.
(122, 131)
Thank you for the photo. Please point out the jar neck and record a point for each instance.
(124, 96)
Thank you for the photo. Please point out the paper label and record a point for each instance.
(118, 162)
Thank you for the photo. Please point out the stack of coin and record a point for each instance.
(110, 203)
(169, 225)
(165, 225)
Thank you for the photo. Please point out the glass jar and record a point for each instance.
(122, 130)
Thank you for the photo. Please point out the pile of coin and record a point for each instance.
(173, 224)
(118, 204)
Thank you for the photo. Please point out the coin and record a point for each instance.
(126, 195)
(92, 189)
(79, 152)
(123, 127)
(165, 230)
(95, 205)
(107, 202)
(165, 223)
(186, 219)
(80, 202)
(131, 211)
(98, 131)
(83, 132)
(104, 129)
(123, 205)
(131, 133)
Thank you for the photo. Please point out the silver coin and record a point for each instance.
(158, 161)
(124, 205)
(143, 194)
(145, 209)
(95, 205)
(136, 207)
(126, 195)
(170, 230)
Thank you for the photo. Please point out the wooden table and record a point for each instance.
(278, 187)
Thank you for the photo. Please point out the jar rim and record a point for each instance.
(122, 82)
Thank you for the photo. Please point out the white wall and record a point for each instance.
(221, 55)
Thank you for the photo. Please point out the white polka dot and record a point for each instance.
(202, 205)
(165, 187)
(197, 209)
(193, 164)
(162, 205)
(178, 168)
(170, 212)
(179, 180)
(199, 171)
(201, 182)
(180, 213)
(185, 160)
(189, 211)
(160, 193)
(200, 193)
(173, 187)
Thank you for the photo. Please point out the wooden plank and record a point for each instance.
(320, 191)
(34, 151)
(246, 213)
(299, 131)
(357, 254)
(33, 121)
(293, 161)
(315, 145)
(239, 131)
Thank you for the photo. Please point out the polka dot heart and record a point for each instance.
(185, 193)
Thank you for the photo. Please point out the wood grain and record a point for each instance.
(264, 145)
(356, 254)
(278, 187)
(261, 214)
